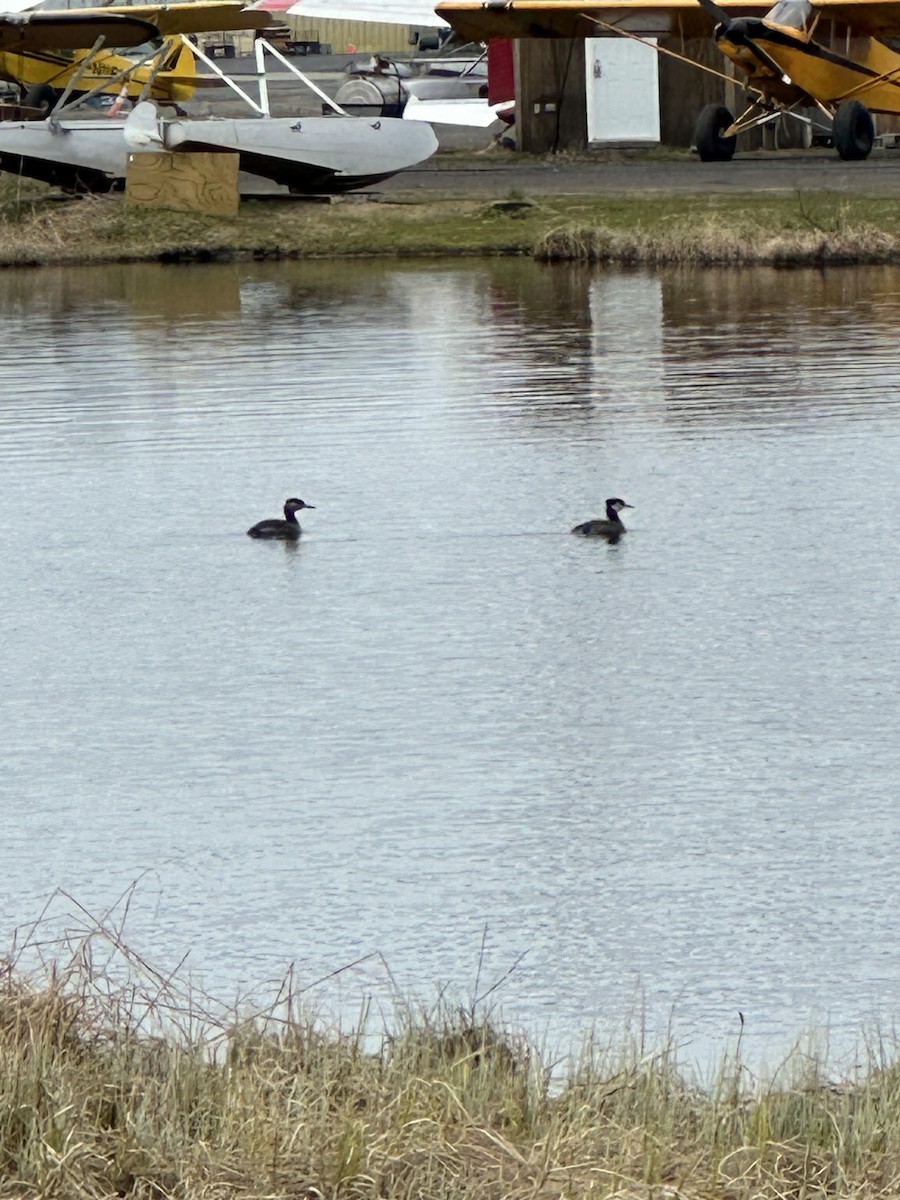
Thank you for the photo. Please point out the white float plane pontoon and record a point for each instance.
(309, 155)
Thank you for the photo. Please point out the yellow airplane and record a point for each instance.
(43, 52)
(797, 54)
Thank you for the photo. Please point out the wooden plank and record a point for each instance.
(187, 182)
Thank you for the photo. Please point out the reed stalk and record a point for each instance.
(117, 1079)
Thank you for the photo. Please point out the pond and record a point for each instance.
(441, 742)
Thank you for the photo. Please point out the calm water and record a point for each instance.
(662, 777)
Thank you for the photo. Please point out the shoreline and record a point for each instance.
(616, 208)
(131, 1083)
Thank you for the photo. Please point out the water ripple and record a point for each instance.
(666, 770)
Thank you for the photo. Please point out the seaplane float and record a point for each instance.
(308, 155)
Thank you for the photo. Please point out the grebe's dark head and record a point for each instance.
(615, 505)
(294, 505)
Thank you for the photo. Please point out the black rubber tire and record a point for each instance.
(42, 96)
(854, 131)
(711, 123)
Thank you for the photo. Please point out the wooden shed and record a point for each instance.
(552, 87)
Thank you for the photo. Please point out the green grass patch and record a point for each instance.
(641, 228)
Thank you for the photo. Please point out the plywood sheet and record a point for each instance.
(186, 182)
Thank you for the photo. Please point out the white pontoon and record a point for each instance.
(309, 155)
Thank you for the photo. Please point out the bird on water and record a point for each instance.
(275, 527)
(611, 528)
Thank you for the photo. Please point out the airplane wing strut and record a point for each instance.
(654, 45)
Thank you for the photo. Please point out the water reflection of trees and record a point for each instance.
(542, 316)
(149, 290)
(745, 294)
(547, 345)
(583, 341)
(768, 347)
(686, 347)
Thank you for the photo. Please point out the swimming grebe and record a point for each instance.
(276, 528)
(612, 528)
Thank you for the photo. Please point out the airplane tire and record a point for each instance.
(854, 131)
(42, 96)
(711, 123)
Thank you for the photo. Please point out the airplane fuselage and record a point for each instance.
(56, 68)
(789, 67)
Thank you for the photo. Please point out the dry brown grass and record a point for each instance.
(635, 230)
(119, 1080)
(712, 242)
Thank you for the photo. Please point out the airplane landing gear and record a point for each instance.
(711, 124)
(41, 96)
(854, 130)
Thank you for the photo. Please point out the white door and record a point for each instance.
(622, 91)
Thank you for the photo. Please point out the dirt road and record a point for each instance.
(500, 172)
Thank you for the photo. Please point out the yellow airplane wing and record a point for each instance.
(197, 16)
(72, 30)
(479, 21)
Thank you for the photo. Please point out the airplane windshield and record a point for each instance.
(792, 13)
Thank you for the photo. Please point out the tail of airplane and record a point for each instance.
(182, 62)
(179, 72)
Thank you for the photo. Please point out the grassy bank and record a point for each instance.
(135, 1087)
(641, 228)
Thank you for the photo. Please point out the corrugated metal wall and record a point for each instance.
(366, 36)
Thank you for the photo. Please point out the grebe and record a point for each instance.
(277, 528)
(612, 528)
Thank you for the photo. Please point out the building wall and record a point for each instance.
(551, 94)
(366, 37)
(550, 72)
(551, 111)
(684, 90)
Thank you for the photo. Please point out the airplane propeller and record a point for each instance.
(718, 14)
(736, 33)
